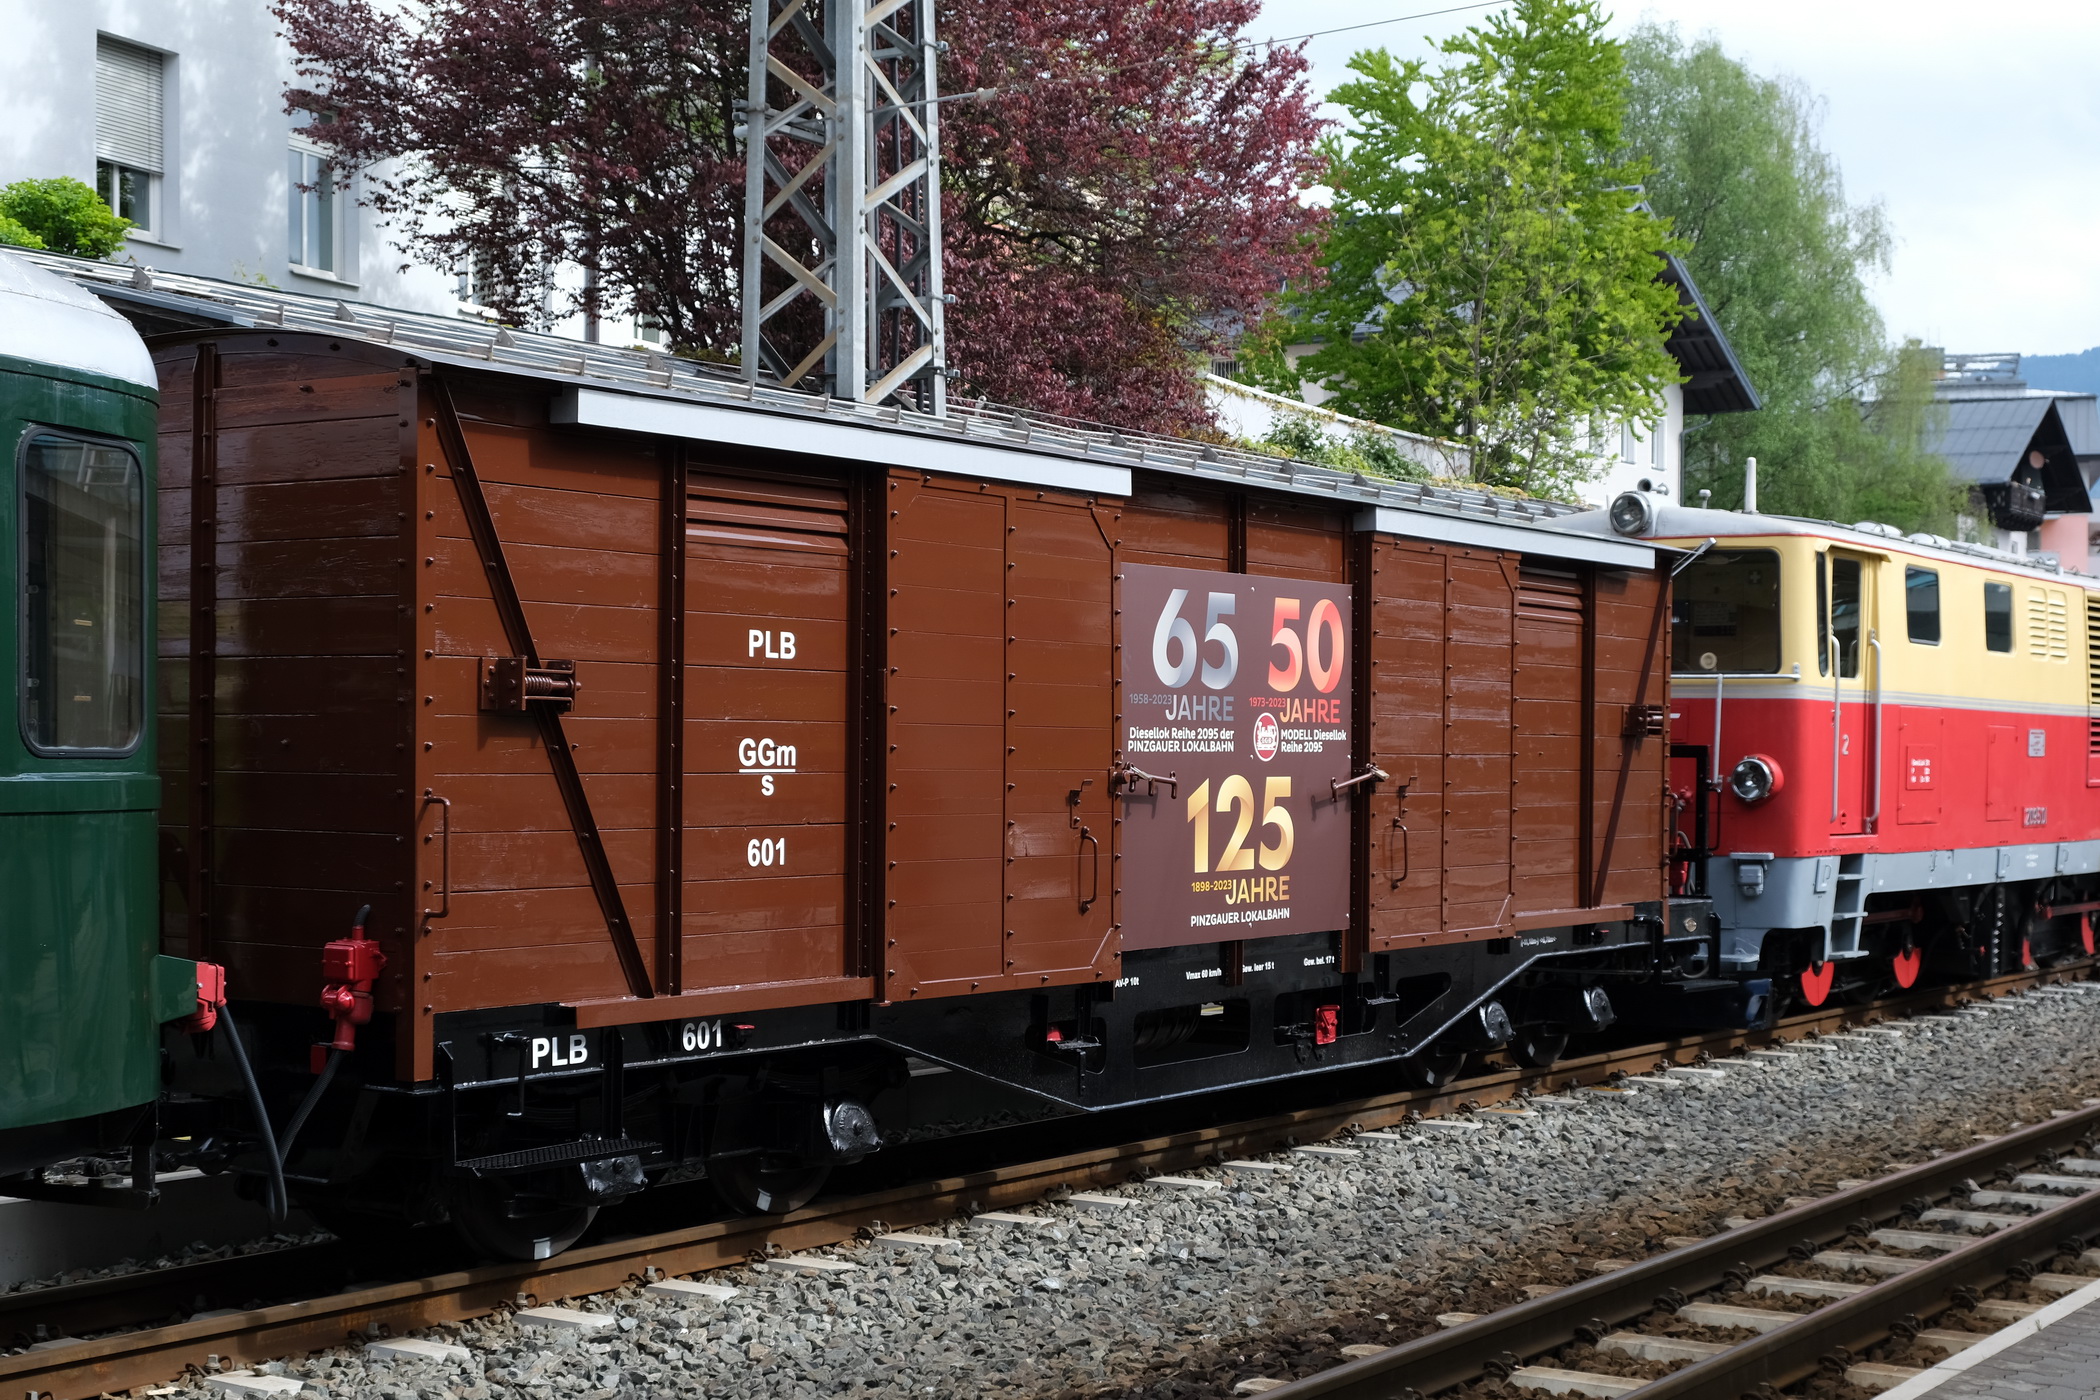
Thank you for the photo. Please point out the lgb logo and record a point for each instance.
(1265, 732)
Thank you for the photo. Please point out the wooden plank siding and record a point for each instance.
(311, 718)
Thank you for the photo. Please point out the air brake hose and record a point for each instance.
(306, 1105)
(278, 1199)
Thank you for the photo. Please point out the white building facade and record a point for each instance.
(174, 110)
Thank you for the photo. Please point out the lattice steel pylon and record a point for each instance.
(842, 214)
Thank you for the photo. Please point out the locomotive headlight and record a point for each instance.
(1755, 778)
(1633, 513)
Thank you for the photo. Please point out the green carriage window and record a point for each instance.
(83, 661)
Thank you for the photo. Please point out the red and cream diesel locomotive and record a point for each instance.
(1886, 749)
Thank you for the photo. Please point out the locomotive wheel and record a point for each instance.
(749, 1187)
(482, 1214)
(1990, 931)
(1537, 1047)
(1430, 1069)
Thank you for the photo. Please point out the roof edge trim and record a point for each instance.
(637, 413)
(1538, 540)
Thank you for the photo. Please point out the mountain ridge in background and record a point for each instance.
(2079, 373)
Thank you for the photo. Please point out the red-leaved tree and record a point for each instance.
(1124, 196)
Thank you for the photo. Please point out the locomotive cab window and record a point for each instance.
(1921, 604)
(1997, 616)
(83, 586)
(1844, 614)
(1725, 613)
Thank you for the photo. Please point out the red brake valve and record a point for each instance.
(211, 995)
(349, 966)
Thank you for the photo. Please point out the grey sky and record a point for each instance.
(1978, 127)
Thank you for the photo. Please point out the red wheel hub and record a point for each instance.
(1816, 980)
(1907, 964)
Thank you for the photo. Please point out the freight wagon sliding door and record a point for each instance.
(1630, 689)
(1479, 655)
(1442, 649)
(999, 687)
(1406, 664)
(768, 602)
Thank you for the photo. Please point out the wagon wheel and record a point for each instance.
(497, 1226)
(1537, 1047)
(1432, 1069)
(750, 1186)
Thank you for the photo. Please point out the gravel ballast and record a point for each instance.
(1188, 1292)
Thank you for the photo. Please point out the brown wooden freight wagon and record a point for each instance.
(705, 752)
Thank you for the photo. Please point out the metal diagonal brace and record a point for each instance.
(481, 524)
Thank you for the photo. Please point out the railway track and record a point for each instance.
(1811, 1290)
(153, 1351)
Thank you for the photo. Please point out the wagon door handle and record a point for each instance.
(1087, 838)
(1406, 861)
(444, 908)
(1369, 775)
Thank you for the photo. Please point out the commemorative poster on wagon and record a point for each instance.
(1236, 703)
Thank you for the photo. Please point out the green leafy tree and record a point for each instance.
(1489, 274)
(60, 214)
(1783, 257)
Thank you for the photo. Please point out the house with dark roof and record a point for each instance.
(2030, 456)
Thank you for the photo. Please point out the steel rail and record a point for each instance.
(1791, 1353)
(156, 1355)
(1782, 1356)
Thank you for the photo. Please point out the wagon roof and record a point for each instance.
(647, 391)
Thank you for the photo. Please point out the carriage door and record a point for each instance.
(767, 589)
(1847, 664)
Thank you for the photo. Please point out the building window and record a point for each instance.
(129, 131)
(83, 591)
(311, 201)
(1627, 443)
(1655, 444)
(482, 284)
(1921, 604)
(1997, 616)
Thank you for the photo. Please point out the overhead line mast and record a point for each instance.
(842, 221)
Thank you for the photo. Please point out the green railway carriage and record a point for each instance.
(84, 992)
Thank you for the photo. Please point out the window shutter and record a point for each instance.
(128, 105)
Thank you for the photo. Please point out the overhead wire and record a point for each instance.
(1370, 24)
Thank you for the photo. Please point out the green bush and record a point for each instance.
(17, 236)
(64, 215)
(1373, 454)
